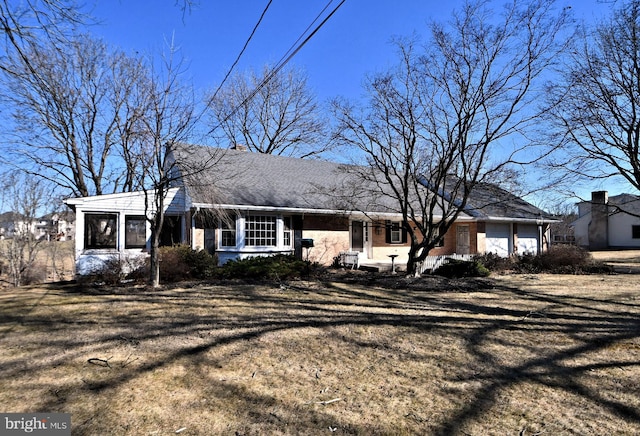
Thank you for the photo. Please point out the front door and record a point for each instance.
(464, 241)
(357, 236)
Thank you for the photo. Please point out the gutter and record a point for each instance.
(295, 210)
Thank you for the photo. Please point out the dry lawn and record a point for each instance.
(511, 355)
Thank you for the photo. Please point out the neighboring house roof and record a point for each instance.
(626, 202)
(66, 215)
(246, 179)
(617, 203)
(11, 217)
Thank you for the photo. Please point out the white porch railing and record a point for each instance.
(432, 263)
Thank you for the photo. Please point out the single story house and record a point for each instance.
(608, 222)
(266, 204)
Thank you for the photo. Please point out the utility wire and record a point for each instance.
(284, 60)
(242, 51)
(306, 30)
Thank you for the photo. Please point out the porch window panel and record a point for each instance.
(100, 231)
(260, 231)
(135, 235)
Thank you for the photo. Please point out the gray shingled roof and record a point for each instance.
(489, 200)
(243, 178)
(627, 202)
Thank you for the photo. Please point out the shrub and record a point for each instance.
(562, 259)
(33, 275)
(181, 262)
(279, 267)
(110, 272)
(559, 259)
(496, 263)
(462, 268)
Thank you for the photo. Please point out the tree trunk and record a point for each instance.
(154, 257)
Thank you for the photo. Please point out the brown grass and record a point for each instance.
(54, 262)
(507, 355)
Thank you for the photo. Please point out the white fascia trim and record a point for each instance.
(117, 195)
(518, 220)
(294, 210)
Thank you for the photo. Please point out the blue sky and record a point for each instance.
(353, 43)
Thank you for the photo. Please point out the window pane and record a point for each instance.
(135, 232)
(395, 233)
(635, 232)
(228, 226)
(286, 237)
(260, 231)
(436, 233)
(100, 230)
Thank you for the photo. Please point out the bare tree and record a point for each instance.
(436, 126)
(595, 108)
(75, 114)
(23, 23)
(271, 112)
(169, 120)
(26, 197)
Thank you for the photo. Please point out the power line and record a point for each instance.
(293, 50)
(242, 51)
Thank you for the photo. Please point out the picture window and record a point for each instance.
(100, 231)
(260, 231)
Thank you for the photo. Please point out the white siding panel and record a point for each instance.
(527, 238)
(132, 202)
(620, 230)
(498, 238)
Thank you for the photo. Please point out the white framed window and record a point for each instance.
(436, 233)
(396, 233)
(228, 232)
(260, 230)
(286, 231)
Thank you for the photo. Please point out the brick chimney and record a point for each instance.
(599, 225)
(239, 147)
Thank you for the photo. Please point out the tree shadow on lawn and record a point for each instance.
(78, 323)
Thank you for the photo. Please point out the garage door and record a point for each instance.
(498, 237)
(527, 239)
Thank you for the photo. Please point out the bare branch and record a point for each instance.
(595, 108)
(435, 127)
(282, 118)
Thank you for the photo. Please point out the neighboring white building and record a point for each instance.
(54, 226)
(608, 222)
